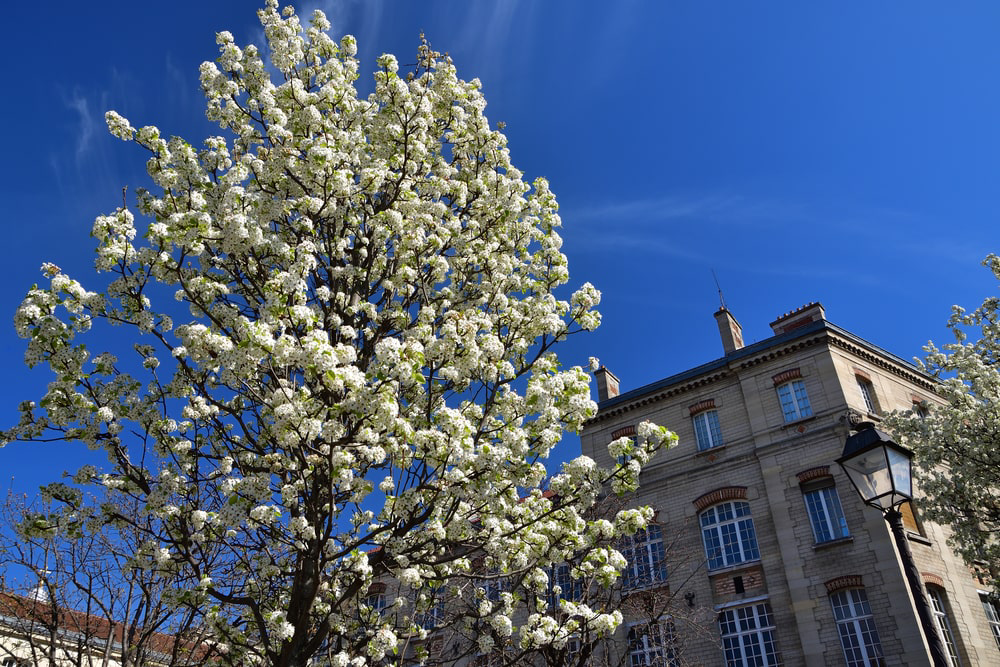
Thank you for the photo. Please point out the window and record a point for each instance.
(562, 586)
(825, 514)
(376, 601)
(430, 611)
(729, 536)
(493, 587)
(622, 452)
(652, 644)
(858, 635)
(374, 604)
(867, 395)
(910, 520)
(706, 429)
(992, 609)
(748, 636)
(491, 659)
(646, 559)
(574, 650)
(936, 597)
(921, 409)
(794, 400)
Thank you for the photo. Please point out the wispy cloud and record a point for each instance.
(86, 127)
(180, 86)
(361, 18)
(762, 236)
(659, 209)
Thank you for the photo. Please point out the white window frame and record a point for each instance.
(377, 602)
(940, 610)
(859, 637)
(646, 556)
(867, 391)
(826, 514)
(992, 610)
(706, 429)
(794, 400)
(728, 534)
(653, 643)
(748, 636)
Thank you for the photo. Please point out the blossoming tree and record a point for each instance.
(957, 446)
(358, 385)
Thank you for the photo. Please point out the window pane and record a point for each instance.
(801, 398)
(867, 395)
(787, 403)
(826, 515)
(992, 610)
(728, 534)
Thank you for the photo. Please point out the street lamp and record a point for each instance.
(880, 470)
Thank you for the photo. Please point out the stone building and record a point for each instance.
(792, 567)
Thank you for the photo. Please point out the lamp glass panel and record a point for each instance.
(899, 463)
(870, 474)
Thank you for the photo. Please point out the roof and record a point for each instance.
(818, 327)
(19, 613)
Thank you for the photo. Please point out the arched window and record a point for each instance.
(856, 626)
(939, 605)
(706, 429)
(728, 533)
(823, 505)
(794, 400)
(653, 643)
(992, 610)
(748, 636)
(647, 564)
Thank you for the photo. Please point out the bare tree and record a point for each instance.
(72, 594)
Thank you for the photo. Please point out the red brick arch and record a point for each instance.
(720, 495)
(844, 582)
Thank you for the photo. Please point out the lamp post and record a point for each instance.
(881, 472)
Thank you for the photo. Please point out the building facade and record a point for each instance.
(791, 567)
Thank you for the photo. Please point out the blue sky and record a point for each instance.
(805, 151)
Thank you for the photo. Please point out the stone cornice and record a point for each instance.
(885, 364)
(817, 333)
(660, 395)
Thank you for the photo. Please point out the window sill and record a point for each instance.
(918, 538)
(821, 546)
(711, 451)
(729, 569)
(796, 422)
(647, 589)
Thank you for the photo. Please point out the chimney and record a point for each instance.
(800, 317)
(730, 331)
(607, 384)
